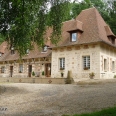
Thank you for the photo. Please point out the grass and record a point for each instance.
(104, 112)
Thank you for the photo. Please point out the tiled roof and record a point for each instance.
(35, 53)
(91, 24)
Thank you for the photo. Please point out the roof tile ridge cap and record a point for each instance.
(97, 21)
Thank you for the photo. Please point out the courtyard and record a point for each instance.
(25, 99)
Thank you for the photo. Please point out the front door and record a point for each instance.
(29, 70)
(11, 71)
(48, 69)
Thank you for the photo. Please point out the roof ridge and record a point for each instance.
(97, 22)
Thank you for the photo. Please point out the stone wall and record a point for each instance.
(74, 60)
(37, 67)
(109, 53)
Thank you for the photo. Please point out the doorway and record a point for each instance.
(48, 70)
(29, 70)
(11, 71)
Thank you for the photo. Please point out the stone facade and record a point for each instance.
(38, 66)
(74, 61)
(107, 53)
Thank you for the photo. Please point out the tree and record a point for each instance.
(112, 14)
(24, 21)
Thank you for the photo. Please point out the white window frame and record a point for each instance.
(27, 51)
(73, 36)
(45, 48)
(61, 63)
(20, 68)
(86, 62)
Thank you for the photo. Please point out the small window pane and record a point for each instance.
(62, 63)
(44, 49)
(86, 62)
(27, 51)
(74, 37)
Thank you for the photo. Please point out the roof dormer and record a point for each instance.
(75, 30)
(110, 34)
(75, 25)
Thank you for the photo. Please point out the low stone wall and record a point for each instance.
(34, 80)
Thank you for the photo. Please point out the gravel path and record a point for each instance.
(21, 99)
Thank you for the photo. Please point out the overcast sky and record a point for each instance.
(76, 0)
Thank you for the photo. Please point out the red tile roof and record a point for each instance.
(92, 25)
(35, 53)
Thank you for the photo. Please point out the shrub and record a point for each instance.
(91, 75)
(42, 72)
(33, 73)
(114, 76)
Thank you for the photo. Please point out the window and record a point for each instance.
(2, 69)
(113, 66)
(45, 49)
(73, 37)
(105, 64)
(12, 50)
(20, 68)
(86, 62)
(62, 63)
(27, 51)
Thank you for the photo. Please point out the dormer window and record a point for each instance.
(12, 50)
(45, 48)
(73, 36)
(27, 51)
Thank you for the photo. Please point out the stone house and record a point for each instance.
(36, 60)
(87, 45)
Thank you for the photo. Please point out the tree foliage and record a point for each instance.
(24, 21)
(112, 14)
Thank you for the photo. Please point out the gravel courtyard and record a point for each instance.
(21, 99)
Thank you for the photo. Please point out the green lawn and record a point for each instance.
(105, 112)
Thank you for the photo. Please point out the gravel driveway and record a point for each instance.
(21, 99)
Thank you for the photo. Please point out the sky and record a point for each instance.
(76, 0)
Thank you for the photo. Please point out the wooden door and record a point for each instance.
(48, 70)
(11, 71)
(29, 70)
